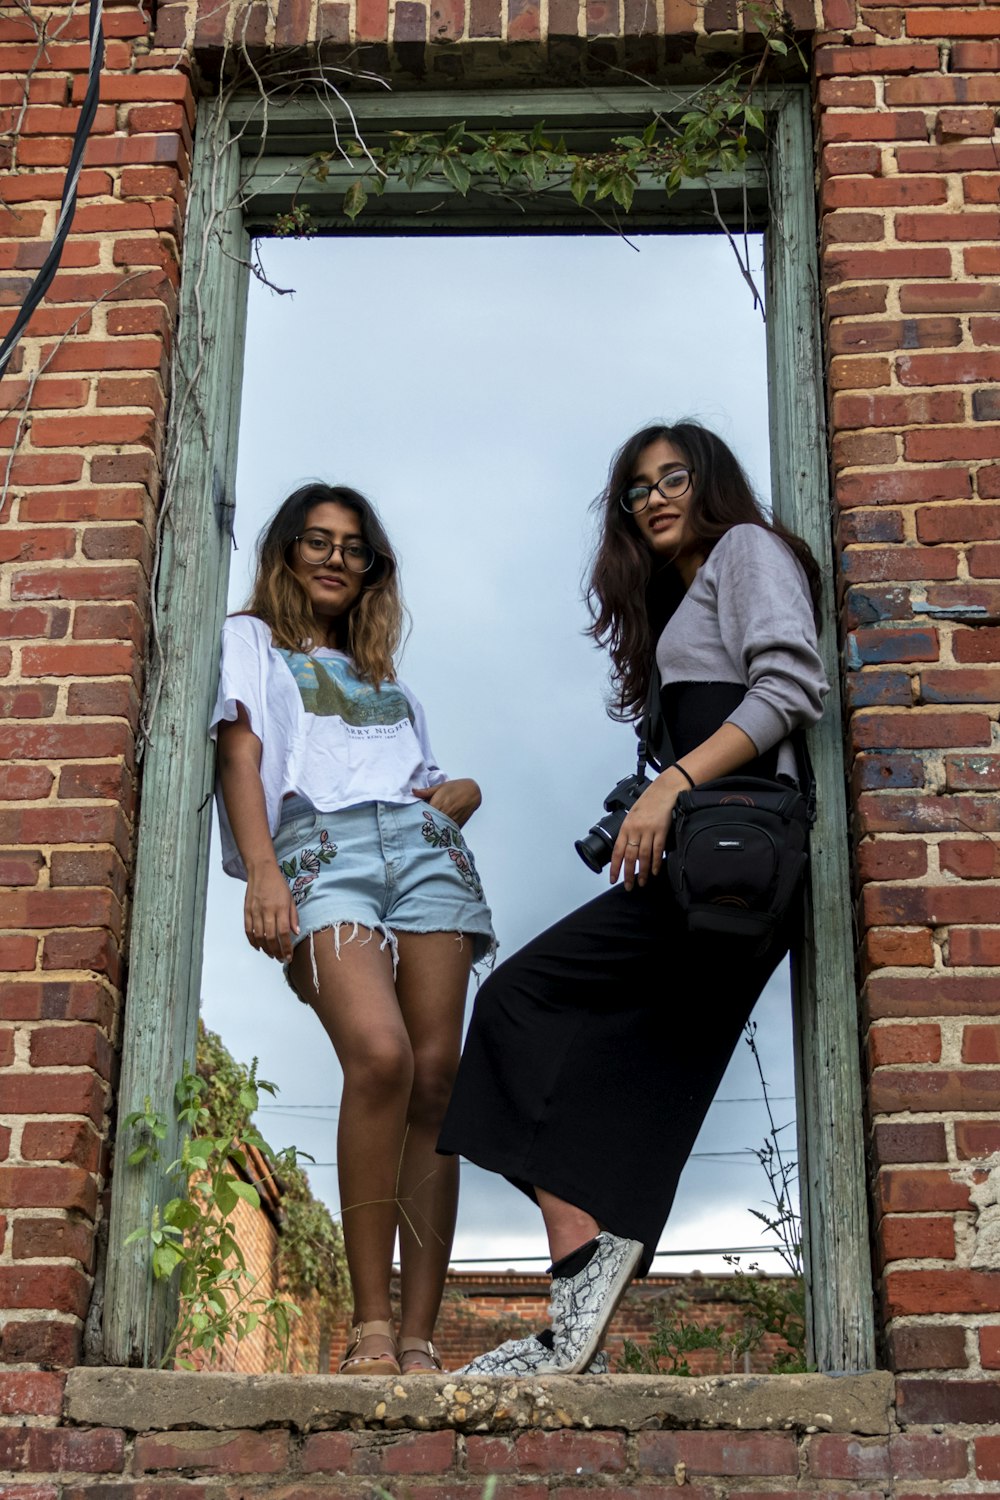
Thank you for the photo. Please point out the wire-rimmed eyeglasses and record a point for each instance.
(670, 486)
(316, 548)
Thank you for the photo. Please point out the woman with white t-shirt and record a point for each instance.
(359, 880)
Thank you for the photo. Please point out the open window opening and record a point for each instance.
(513, 489)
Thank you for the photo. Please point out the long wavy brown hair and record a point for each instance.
(373, 629)
(630, 593)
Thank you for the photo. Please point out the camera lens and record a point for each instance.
(595, 849)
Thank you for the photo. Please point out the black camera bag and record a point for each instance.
(739, 844)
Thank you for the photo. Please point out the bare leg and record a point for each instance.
(431, 984)
(356, 1002)
(567, 1227)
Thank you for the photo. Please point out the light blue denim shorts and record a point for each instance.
(390, 868)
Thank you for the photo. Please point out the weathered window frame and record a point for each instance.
(241, 177)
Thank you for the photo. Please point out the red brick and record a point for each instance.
(951, 23)
(927, 1346)
(951, 443)
(83, 432)
(895, 1089)
(53, 1093)
(891, 859)
(975, 1139)
(832, 1456)
(956, 523)
(851, 410)
(51, 1288)
(904, 486)
(869, 125)
(919, 728)
(989, 1347)
(947, 369)
(897, 1141)
(122, 504)
(895, 947)
(904, 1044)
(884, 192)
(82, 581)
(914, 1237)
(24, 782)
(866, 265)
(969, 57)
(847, 159)
(869, 337)
(875, 60)
(982, 260)
(571, 1453)
(948, 226)
(31, 1393)
(76, 948)
(981, 1044)
(914, 1455)
(982, 187)
(21, 545)
(960, 685)
(50, 1342)
(944, 1291)
(213, 1452)
(54, 1239)
(955, 296)
(74, 1450)
(18, 953)
(974, 947)
(758, 1453)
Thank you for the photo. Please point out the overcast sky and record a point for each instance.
(475, 389)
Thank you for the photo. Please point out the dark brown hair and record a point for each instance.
(630, 593)
(374, 626)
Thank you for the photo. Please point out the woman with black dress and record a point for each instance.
(595, 1052)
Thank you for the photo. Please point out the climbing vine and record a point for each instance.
(714, 134)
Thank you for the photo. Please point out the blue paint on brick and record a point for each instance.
(885, 771)
(880, 689)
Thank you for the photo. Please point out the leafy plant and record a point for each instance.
(194, 1237)
(773, 1306)
(713, 135)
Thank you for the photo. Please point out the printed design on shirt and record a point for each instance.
(301, 870)
(440, 836)
(331, 689)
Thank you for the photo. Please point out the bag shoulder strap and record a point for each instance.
(656, 749)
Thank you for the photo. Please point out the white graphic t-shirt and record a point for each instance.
(325, 733)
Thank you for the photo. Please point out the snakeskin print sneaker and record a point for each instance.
(583, 1305)
(525, 1357)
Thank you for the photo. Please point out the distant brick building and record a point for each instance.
(906, 272)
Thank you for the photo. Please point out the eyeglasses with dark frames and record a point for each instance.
(669, 486)
(316, 548)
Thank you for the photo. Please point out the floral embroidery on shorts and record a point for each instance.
(300, 871)
(440, 836)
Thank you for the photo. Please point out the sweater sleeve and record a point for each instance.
(766, 622)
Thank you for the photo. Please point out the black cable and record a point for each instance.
(88, 110)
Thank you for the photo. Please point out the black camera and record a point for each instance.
(595, 849)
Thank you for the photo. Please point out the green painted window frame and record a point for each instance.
(242, 175)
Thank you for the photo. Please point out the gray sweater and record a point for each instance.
(747, 618)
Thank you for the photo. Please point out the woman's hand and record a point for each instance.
(458, 800)
(642, 840)
(269, 913)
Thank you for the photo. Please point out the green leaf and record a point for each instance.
(455, 133)
(457, 174)
(139, 1154)
(754, 117)
(580, 182)
(777, 45)
(225, 1199)
(247, 1193)
(624, 192)
(201, 1149)
(354, 200)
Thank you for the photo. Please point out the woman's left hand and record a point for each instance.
(642, 841)
(458, 800)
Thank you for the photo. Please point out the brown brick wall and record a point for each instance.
(908, 197)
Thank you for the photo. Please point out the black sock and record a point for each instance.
(574, 1262)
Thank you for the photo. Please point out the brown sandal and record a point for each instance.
(385, 1363)
(419, 1346)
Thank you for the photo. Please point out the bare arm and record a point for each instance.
(640, 845)
(269, 914)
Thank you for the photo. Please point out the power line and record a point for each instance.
(67, 208)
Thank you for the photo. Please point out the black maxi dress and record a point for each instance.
(595, 1051)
